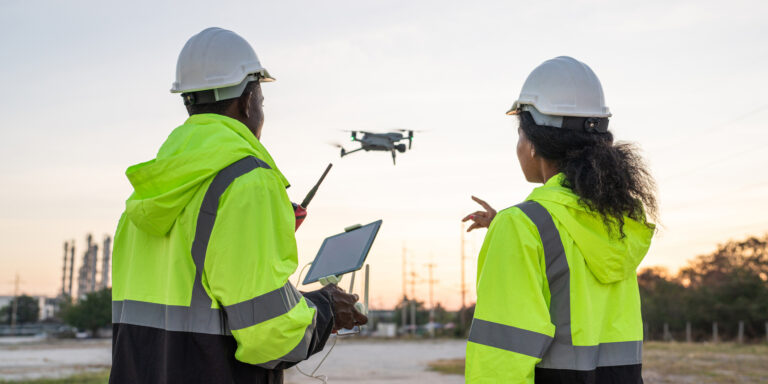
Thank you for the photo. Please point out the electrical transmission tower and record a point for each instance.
(431, 281)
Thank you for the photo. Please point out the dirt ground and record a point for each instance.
(401, 361)
(385, 361)
(60, 358)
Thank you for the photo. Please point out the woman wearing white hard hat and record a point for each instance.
(557, 293)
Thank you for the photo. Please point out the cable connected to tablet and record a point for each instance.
(338, 255)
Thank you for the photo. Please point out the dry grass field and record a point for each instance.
(705, 363)
(701, 363)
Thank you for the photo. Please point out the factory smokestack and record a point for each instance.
(84, 274)
(105, 262)
(64, 270)
(71, 266)
(92, 269)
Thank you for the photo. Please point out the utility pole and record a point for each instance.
(413, 299)
(462, 313)
(405, 276)
(15, 306)
(432, 281)
(404, 317)
(431, 267)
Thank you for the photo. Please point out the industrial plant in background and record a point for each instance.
(88, 272)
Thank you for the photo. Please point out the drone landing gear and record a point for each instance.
(394, 154)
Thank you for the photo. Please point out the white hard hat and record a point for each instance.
(560, 90)
(220, 60)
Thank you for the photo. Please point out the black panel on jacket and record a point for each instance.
(150, 355)
(620, 374)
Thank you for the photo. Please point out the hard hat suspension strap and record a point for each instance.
(586, 124)
(218, 94)
(201, 97)
(576, 123)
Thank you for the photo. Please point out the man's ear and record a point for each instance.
(245, 104)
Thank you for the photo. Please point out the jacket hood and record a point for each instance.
(610, 258)
(193, 152)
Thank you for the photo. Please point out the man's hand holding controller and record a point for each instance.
(346, 315)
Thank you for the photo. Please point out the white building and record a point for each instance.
(46, 306)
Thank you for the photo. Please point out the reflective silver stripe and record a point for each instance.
(562, 354)
(262, 308)
(210, 320)
(509, 338)
(587, 358)
(620, 353)
(169, 317)
(301, 351)
(206, 218)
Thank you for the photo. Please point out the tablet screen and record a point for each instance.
(343, 253)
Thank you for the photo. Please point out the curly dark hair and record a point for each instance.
(609, 178)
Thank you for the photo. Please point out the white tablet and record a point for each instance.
(342, 253)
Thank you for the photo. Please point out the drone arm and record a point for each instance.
(350, 152)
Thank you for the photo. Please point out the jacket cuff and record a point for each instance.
(323, 302)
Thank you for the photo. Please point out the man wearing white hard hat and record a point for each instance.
(557, 293)
(206, 244)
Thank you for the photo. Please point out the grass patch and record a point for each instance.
(100, 377)
(448, 366)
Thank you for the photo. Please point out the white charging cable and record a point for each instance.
(298, 278)
(322, 378)
(364, 309)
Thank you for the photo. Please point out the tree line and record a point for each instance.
(727, 286)
(90, 313)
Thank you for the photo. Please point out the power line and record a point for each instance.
(714, 128)
(717, 196)
(720, 160)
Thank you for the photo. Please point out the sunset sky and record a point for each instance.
(85, 94)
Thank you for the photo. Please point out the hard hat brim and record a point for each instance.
(263, 75)
(514, 110)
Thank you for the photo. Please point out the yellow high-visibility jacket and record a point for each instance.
(202, 258)
(557, 295)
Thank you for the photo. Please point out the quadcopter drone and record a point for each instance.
(381, 142)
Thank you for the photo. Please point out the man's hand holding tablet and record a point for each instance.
(340, 254)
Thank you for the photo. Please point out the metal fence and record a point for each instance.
(718, 332)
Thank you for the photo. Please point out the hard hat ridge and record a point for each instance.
(219, 60)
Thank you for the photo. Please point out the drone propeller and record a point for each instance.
(354, 133)
(410, 136)
(337, 145)
(411, 130)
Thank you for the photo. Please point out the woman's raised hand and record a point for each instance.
(480, 219)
